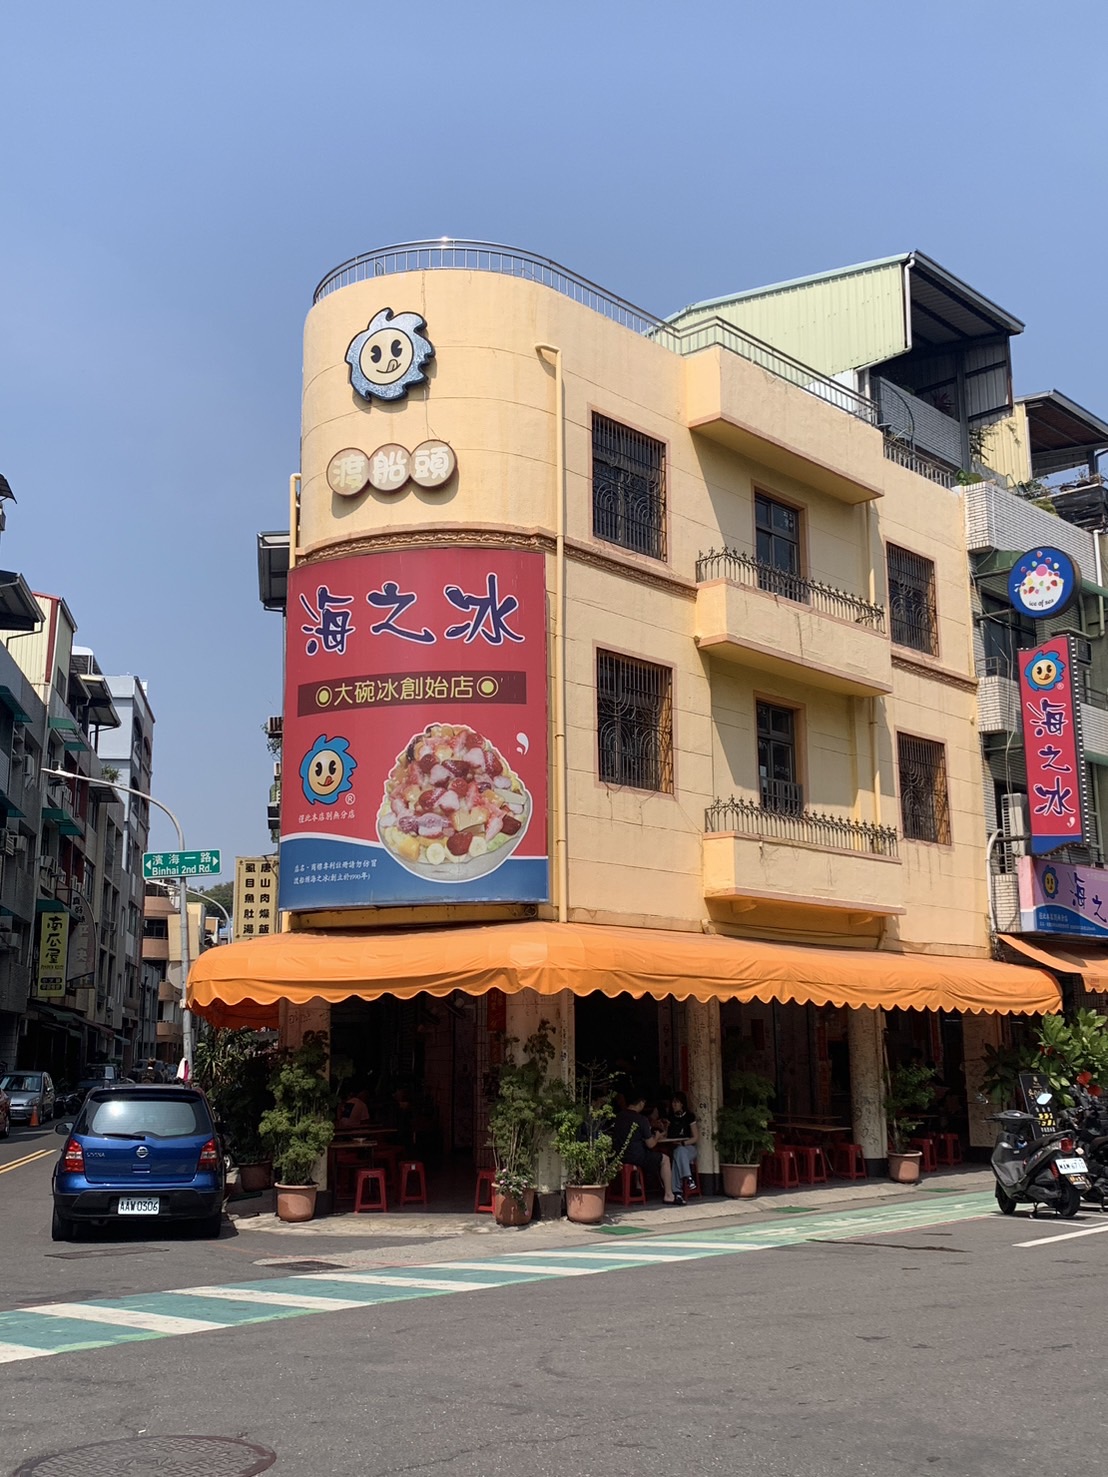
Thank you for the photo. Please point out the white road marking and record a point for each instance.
(712, 1245)
(507, 1266)
(1065, 1236)
(605, 1256)
(272, 1299)
(10, 1352)
(380, 1279)
(126, 1318)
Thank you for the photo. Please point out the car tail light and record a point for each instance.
(73, 1160)
(209, 1156)
(1066, 1146)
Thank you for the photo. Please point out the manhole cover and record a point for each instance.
(169, 1456)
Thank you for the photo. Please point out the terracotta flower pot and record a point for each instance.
(740, 1181)
(507, 1210)
(904, 1168)
(295, 1202)
(585, 1203)
(255, 1177)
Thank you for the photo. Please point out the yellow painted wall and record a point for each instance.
(1007, 446)
(635, 856)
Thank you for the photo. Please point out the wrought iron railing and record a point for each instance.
(906, 456)
(809, 827)
(783, 797)
(733, 564)
(507, 261)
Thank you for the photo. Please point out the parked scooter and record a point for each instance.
(1089, 1118)
(1038, 1167)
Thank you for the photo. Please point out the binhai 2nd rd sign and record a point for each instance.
(157, 865)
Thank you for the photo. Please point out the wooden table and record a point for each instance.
(356, 1145)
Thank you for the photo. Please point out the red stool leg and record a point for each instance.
(370, 1179)
(411, 1172)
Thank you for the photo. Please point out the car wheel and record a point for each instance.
(61, 1228)
(7, 1128)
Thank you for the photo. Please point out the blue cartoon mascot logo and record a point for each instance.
(1045, 671)
(388, 358)
(326, 769)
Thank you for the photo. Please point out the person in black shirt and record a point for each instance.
(683, 1126)
(632, 1127)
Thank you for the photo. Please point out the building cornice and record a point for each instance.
(936, 673)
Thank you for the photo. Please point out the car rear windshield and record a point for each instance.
(166, 1117)
(22, 1082)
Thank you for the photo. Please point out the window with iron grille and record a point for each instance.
(924, 809)
(777, 760)
(912, 600)
(628, 488)
(634, 723)
(777, 548)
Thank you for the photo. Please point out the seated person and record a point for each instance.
(632, 1127)
(683, 1126)
(354, 1112)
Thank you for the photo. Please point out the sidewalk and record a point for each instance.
(395, 1238)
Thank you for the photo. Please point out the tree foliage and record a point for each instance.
(233, 1068)
(522, 1114)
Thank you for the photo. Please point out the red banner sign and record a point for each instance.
(1057, 790)
(415, 730)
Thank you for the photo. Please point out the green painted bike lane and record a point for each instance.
(66, 1327)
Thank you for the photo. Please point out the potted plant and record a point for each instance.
(233, 1068)
(583, 1140)
(743, 1133)
(300, 1125)
(909, 1092)
(520, 1120)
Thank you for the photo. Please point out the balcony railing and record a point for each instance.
(732, 564)
(507, 261)
(906, 456)
(807, 827)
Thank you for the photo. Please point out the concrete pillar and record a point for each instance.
(865, 1034)
(705, 1042)
(523, 1013)
(979, 1031)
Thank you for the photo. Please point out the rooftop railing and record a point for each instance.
(810, 828)
(507, 261)
(732, 564)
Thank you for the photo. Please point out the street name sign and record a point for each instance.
(158, 864)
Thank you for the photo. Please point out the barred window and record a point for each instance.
(777, 546)
(628, 488)
(924, 809)
(634, 723)
(912, 600)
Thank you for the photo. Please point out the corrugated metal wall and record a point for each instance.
(843, 322)
(1006, 446)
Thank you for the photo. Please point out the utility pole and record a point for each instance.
(182, 893)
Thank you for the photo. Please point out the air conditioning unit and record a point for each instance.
(1014, 823)
(1082, 651)
(8, 939)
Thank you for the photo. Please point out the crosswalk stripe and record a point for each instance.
(11, 1352)
(273, 1299)
(711, 1245)
(125, 1317)
(397, 1279)
(607, 1256)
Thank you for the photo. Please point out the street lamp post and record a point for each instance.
(183, 892)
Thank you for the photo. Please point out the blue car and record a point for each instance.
(140, 1154)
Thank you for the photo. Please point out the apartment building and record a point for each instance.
(161, 960)
(630, 684)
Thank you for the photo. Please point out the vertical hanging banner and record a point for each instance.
(1057, 789)
(415, 730)
(53, 949)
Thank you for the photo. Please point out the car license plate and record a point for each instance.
(1072, 1166)
(138, 1205)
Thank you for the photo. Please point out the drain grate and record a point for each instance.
(303, 1264)
(169, 1456)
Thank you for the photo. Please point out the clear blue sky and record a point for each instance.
(175, 179)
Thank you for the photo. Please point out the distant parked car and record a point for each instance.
(86, 1084)
(140, 1151)
(29, 1092)
(5, 1114)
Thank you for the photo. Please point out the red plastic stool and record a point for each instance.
(948, 1148)
(848, 1161)
(781, 1169)
(388, 1156)
(411, 1173)
(811, 1165)
(483, 1199)
(926, 1146)
(370, 1179)
(632, 1186)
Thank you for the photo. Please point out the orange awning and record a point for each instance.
(1090, 961)
(550, 957)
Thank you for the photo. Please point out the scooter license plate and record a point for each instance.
(1072, 1166)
